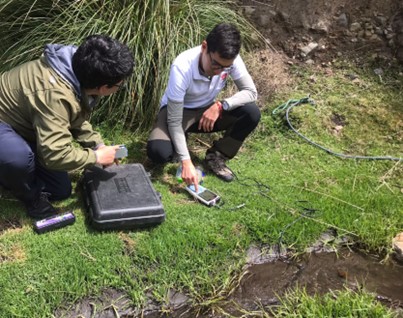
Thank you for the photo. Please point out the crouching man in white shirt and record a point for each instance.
(190, 104)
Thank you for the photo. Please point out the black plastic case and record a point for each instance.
(121, 197)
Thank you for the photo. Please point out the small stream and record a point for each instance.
(262, 283)
(320, 273)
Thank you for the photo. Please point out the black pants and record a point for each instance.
(237, 124)
(23, 175)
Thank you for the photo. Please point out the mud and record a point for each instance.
(263, 283)
(320, 273)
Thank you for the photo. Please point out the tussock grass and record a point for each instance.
(156, 31)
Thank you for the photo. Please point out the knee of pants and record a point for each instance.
(159, 151)
(60, 193)
(254, 114)
(17, 162)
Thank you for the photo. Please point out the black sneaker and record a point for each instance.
(41, 207)
(215, 161)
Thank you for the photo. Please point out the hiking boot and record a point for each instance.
(41, 208)
(215, 161)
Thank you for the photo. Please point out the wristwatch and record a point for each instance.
(225, 105)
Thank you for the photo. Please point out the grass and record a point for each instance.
(155, 31)
(199, 250)
(335, 304)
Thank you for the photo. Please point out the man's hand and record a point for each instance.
(189, 174)
(106, 155)
(210, 116)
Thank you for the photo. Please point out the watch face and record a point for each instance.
(225, 105)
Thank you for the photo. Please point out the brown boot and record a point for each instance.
(215, 161)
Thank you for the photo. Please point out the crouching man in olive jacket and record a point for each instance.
(43, 109)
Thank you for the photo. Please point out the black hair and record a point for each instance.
(225, 39)
(101, 60)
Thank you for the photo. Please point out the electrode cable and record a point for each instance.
(291, 103)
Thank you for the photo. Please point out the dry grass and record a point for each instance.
(14, 253)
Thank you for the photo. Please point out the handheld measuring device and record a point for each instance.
(121, 152)
(204, 195)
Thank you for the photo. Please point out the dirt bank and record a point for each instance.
(320, 30)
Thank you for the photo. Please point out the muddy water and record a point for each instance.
(261, 285)
(318, 273)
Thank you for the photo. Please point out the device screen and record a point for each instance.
(207, 195)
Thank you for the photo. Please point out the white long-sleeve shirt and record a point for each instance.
(188, 88)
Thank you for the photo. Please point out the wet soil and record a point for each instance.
(319, 274)
(262, 285)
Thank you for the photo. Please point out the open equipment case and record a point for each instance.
(121, 197)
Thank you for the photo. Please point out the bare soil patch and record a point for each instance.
(338, 28)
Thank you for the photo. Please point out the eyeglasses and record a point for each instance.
(120, 85)
(217, 66)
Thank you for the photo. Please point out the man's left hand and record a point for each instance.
(210, 116)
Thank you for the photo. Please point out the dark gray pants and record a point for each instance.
(22, 174)
(237, 124)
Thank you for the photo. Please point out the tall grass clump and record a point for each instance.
(156, 31)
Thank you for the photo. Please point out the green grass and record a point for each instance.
(199, 250)
(345, 304)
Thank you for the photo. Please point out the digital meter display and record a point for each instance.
(207, 195)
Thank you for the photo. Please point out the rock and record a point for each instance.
(355, 27)
(368, 33)
(342, 20)
(378, 31)
(368, 26)
(320, 26)
(249, 10)
(309, 48)
(380, 20)
(375, 38)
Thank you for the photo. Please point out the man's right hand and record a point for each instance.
(106, 155)
(210, 116)
(189, 174)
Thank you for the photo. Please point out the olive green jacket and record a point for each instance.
(43, 108)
